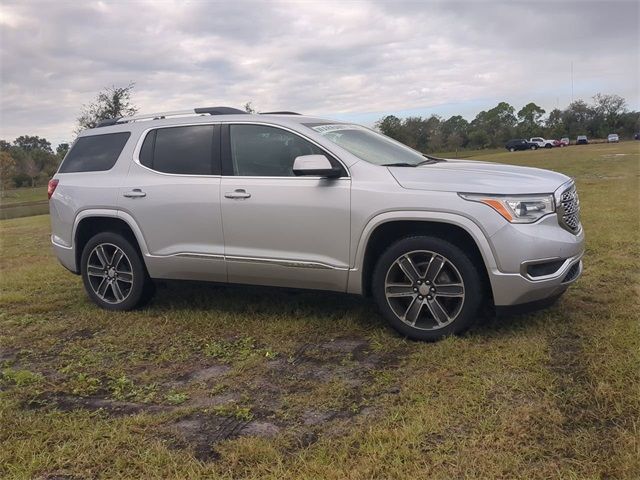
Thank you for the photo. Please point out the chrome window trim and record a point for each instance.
(295, 132)
(143, 136)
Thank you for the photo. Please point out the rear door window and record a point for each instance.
(180, 150)
(94, 153)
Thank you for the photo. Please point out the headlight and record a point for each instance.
(516, 208)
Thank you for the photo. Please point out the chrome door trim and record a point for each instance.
(257, 260)
(202, 256)
(283, 262)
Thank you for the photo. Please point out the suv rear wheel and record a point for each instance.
(427, 288)
(113, 273)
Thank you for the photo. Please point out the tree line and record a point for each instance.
(31, 160)
(492, 128)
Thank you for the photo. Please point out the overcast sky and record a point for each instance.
(348, 60)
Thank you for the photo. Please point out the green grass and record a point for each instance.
(317, 384)
(23, 195)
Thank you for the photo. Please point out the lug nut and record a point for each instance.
(428, 282)
(415, 289)
(433, 289)
(419, 282)
(429, 297)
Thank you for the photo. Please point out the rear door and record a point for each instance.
(173, 193)
(280, 229)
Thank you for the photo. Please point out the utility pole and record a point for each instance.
(571, 81)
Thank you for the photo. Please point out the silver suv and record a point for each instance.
(287, 200)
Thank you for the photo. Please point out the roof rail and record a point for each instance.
(280, 113)
(176, 113)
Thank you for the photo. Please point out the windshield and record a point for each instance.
(368, 145)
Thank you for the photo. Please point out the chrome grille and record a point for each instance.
(569, 210)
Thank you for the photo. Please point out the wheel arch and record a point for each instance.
(90, 222)
(380, 234)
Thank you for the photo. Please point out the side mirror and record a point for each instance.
(314, 165)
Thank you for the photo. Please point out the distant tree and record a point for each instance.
(4, 146)
(112, 102)
(456, 131)
(248, 107)
(529, 118)
(577, 118)
(61, 150)
(435, 135)
(8, 168)
(553, 124)
(610, 108)
(391, 126)
(30, 143)
(629, 123)
(30, 168)
(493, 127)
(416, 133)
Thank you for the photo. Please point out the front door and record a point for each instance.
(280, 229)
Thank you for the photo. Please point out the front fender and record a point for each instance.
(355, 280)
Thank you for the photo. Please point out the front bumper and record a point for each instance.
(514, 289)
(518, 246)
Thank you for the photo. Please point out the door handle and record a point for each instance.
(238, 194)
(135, 193)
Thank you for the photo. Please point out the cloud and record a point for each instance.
(329, 58)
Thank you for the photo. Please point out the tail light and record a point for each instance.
(51, 187)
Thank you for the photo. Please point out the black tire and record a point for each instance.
(466, 308)
(512, 149)
(134, 293)
(548, 145)
(534, 147)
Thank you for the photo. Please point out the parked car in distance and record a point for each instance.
(582, 140)
(541, 142)
(287, 200)
(636, 136)
(520, 144)
(565, 142)
(613, 138)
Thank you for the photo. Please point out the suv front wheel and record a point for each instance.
(427, 288)
(113, 273)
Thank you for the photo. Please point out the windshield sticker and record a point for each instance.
(323, 129)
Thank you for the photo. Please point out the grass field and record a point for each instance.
(244, 382)
(23, 195)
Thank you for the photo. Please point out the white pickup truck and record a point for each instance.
(542, 143)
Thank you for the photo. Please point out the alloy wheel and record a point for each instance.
(424, 289)
(110, 273)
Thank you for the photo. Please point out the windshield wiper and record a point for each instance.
(400, 164)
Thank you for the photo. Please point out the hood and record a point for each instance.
(478, 177)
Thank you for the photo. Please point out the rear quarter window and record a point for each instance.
(94, 153)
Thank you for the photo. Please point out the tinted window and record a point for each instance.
(258, 150)
(94, 153)
(146, 152)
(182, 150)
